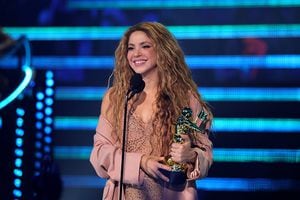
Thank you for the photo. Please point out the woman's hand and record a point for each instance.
(183, 152)
(151, 165)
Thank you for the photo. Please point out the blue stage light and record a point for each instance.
(19, 122)
(19, 132)
(37, 164)
(176, 4)
(49, 75)
(48, 139)
(209, 93)
(261, 125)
(18, 162)
(49, 82)
(17, 193)
(21, 87)
(49, 101)
(39, 115)
(19, 152)
(40, 95)
(37, 173)
(217, 31)
(18, 172)
(17, 182)
(48, 110)
(43, 138)
(20, 112)
(47, 130)
(49, 91)
(38, 155)
(238, 62)
(38, 145)
(38, 125)
(208, 184)
(19, 142)
(247, 184)
(219, 154)
(39, 105)
(48, 120)
(38, 135)
(47, 149)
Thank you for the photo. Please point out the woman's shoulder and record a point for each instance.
(107, 94)
(106, 102)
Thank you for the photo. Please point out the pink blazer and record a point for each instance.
(106, 160)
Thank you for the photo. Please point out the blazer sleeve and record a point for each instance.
(106, 157)
(202, 145)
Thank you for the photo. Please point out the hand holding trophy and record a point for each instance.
(184, 125)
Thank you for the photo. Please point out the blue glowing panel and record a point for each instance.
(209, 183)
(180, 32)
(219, 154)
(193, 61)
(261, 125)
(175, 4)
(209, 93)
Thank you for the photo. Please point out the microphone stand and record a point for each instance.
(127, 98)
(136, 86)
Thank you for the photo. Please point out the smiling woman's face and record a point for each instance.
(141, 53)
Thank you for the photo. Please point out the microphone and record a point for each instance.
(136, 85)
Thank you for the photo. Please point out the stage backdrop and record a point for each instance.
(244, 56)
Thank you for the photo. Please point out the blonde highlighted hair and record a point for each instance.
(175, 81)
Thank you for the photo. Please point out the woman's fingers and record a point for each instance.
(162, 176)
(182, 152)
(165, 167)
(155, 168)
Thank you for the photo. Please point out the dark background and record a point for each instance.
(253, 159)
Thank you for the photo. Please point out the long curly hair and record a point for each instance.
(175, 81)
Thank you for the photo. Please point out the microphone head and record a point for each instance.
(136, 83)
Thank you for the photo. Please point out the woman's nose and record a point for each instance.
(137, 52)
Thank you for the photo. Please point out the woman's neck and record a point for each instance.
(151, 83)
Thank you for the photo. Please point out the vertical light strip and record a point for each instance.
(48, 120)
(18, 154)
(39, 115)
(44, 123)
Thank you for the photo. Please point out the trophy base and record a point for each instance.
(177, 179)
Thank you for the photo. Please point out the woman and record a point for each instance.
(149, 49)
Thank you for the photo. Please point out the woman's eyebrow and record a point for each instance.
(142, 43)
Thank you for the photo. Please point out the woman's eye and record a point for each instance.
(146, 46)
(129, 48)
